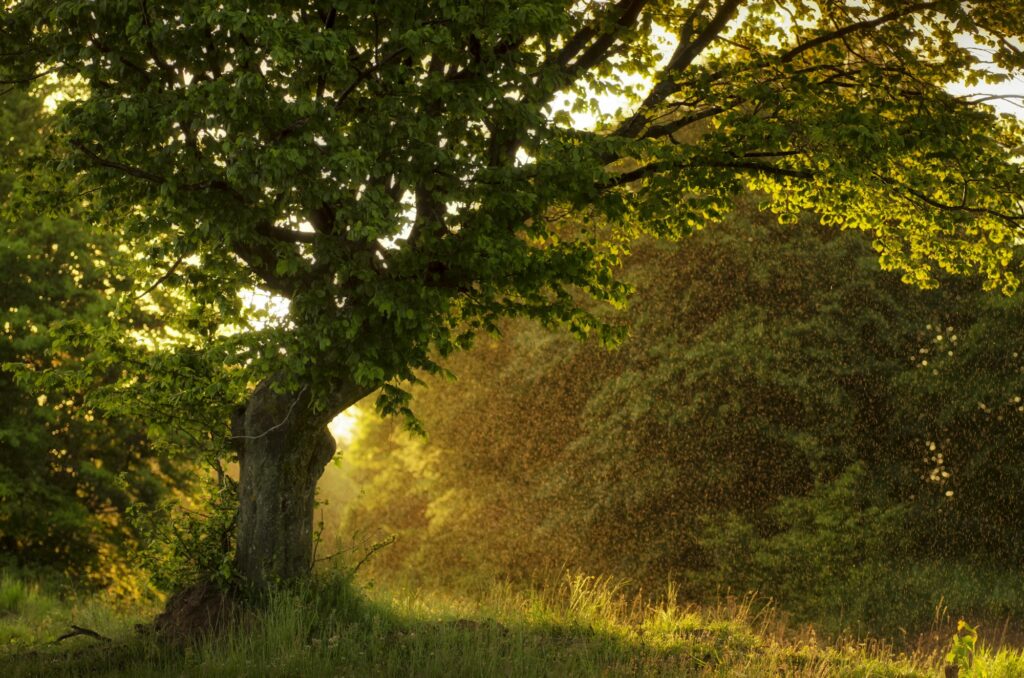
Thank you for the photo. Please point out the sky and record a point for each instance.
(1012, 90)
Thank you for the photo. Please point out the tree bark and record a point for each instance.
(284, 448)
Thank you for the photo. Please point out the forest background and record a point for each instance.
(784, 418)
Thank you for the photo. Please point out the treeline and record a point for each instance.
(69, 474)
(784, 418)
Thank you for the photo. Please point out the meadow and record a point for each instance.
(583, 626)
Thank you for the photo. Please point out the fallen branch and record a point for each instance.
(81, 631)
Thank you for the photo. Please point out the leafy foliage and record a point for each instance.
(407, 175)
(398, 172)
(189, 539)
(765, 428)
(59, 458)
(964, 399)
(965, 639)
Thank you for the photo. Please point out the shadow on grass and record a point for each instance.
(328, 628)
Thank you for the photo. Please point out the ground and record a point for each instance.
(337, 627)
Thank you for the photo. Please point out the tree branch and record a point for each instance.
(29, 78)
(685, 54)
(593, 55)
(1013, 220)
(81, 631)
(739, 164)
(159, 281)
(628, 11)
(856, 27)
(113, 164)
(670, 128)
(257, 258)
(287, 234)
(151, 48)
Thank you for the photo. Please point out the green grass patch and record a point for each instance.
(582, 627)
(32, 615)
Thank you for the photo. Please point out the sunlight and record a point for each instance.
(801, 457)
(343, 426)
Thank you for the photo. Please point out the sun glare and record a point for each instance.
(343, 426)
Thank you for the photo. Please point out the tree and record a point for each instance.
(57, 458)
(766, 427)
(964, 398)
(762, 364)
(402, 173)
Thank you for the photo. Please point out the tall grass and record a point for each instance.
(584, 626)
(32, 614)
(18, 597)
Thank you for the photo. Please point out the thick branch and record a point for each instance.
(627, 11)
(855, 28)
(686, 52)
(261, 261)
(740, 164)
(288, 235)
(593, 55)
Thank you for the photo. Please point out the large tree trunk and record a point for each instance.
(284, 449)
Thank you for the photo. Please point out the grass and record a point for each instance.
(31, 614)
(911, 603)
(584, 627)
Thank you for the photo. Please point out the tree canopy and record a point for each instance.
(406, 174)
(401, 173)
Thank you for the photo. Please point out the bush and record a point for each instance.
(780, 421)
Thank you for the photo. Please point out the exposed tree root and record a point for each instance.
(203, 609)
